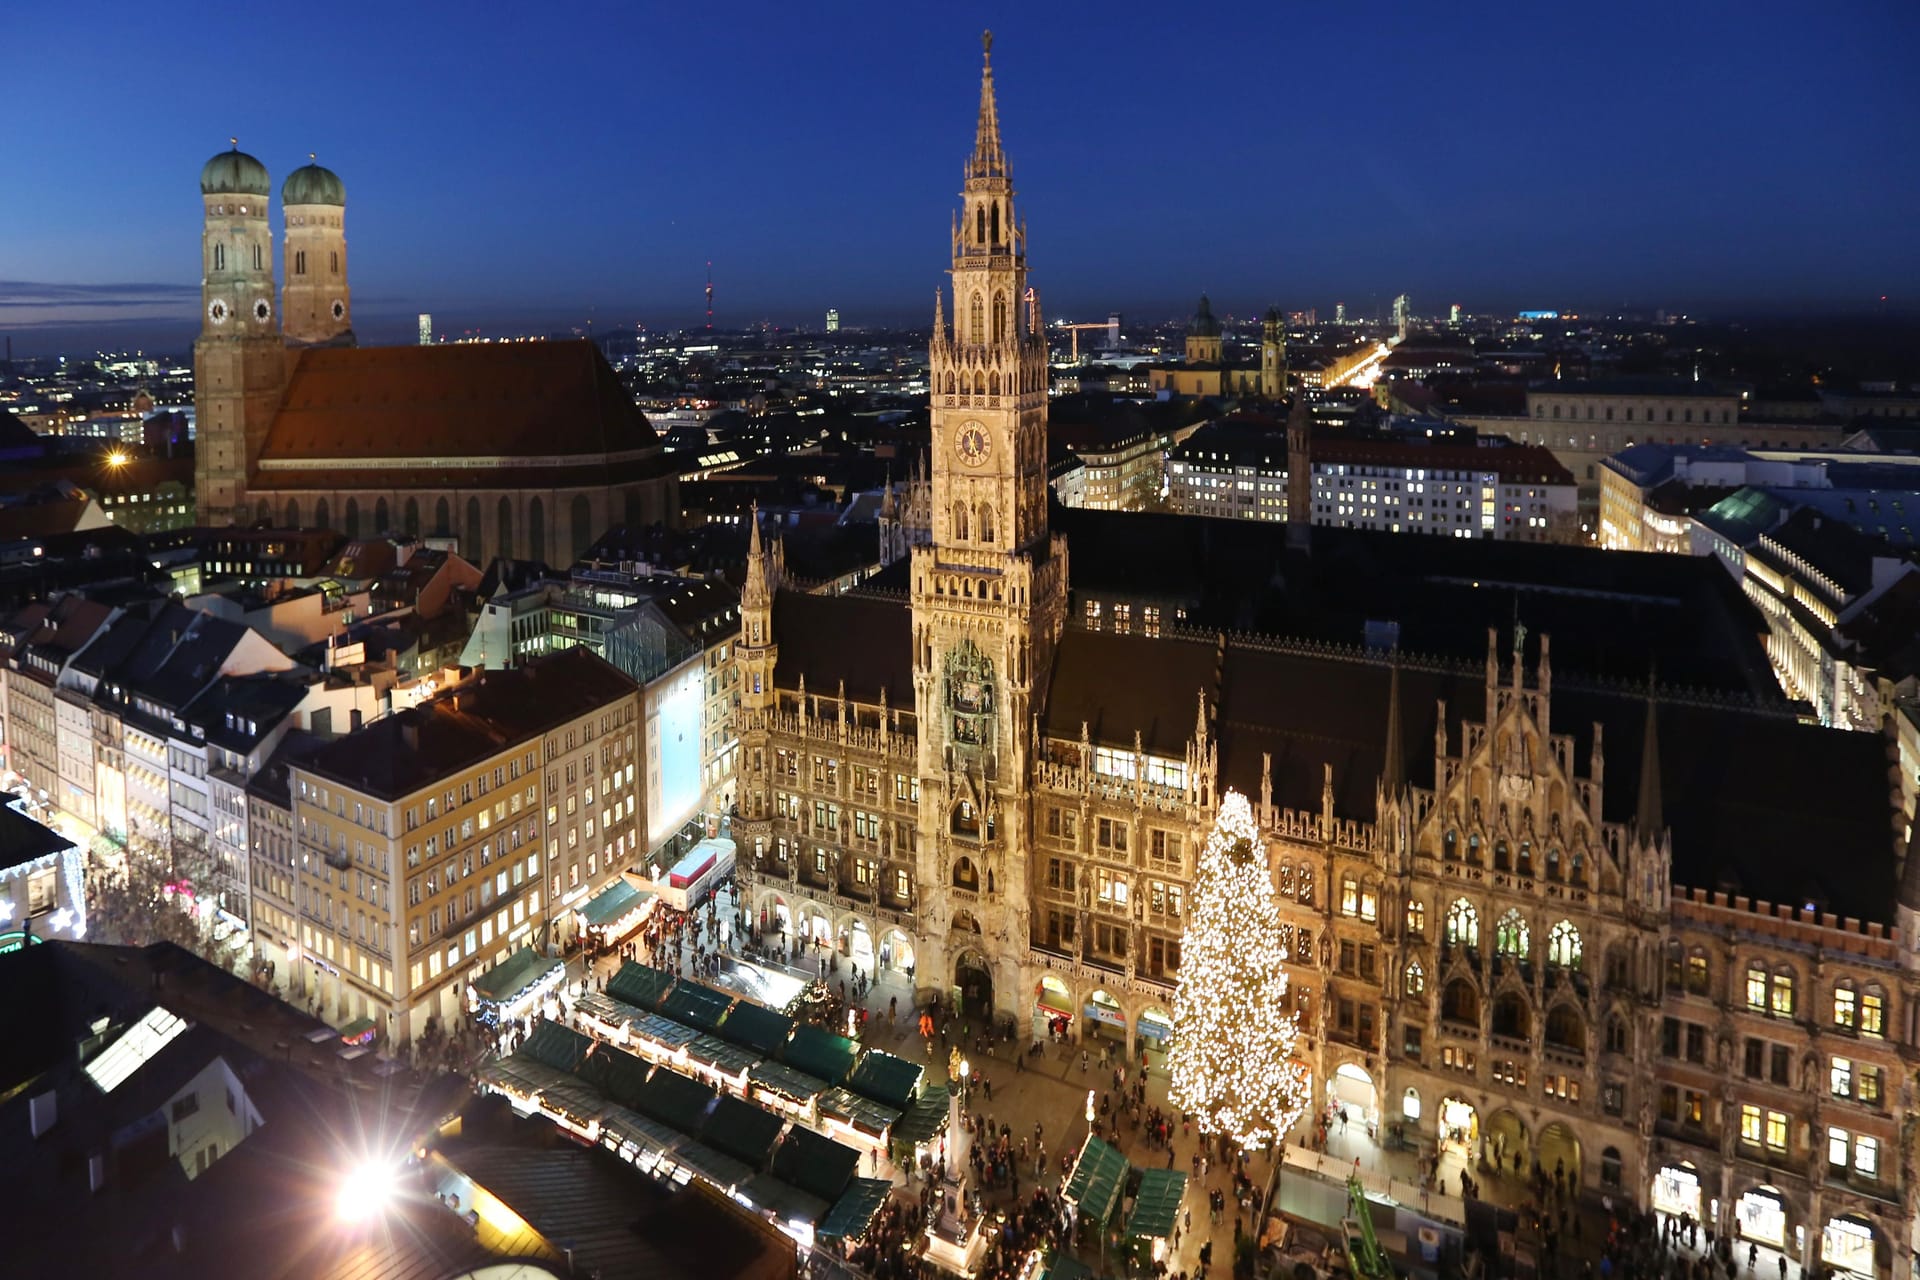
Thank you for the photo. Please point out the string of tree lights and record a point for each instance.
(1232, 1064)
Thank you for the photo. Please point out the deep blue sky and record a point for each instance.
(537, 164)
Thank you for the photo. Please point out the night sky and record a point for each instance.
(543, 165)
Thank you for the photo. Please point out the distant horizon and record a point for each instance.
(152, 336)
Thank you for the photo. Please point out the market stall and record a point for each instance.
(614, 914)
(514, 987)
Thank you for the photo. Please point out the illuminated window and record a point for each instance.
(1510, 939)
(1781, 1001)
(1750, 1124)
(1563, 945)
(1840, 1078)
(1463, 924)
(1873, 1012)
(1416, 979)
(1417, 919)
(1776, 1131)
(1349, 896)
(1845, 1011)
(1756, 988)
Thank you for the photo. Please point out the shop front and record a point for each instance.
(1052, 1008)
(514, 988)
(1762, 1215)
(1676, 1189)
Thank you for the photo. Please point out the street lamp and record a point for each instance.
(1089, 1113)
(966, 1069)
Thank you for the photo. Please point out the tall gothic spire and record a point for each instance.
(989, 161)
(1650, 815)
(1394, 773)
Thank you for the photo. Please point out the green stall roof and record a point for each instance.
(728, 1059)
(697, 1006)
(1063, 1266)
(819, 1053)
(639, 984)
(509, 979)
(672, 1098)
(757, 1027)
(613, 902)
(559, 1047)
(926, 1119)
(1099, 1176)
(885, 1078)
(616, 1073)
(815, 1163)
(785, 1081)
(615, 1013)
(1157, 1204)
(648, 1135)
(855, 1210)
(741, 1130)
(786, 1201)
(720, 1169)
(661, 1030)
(870, 1117)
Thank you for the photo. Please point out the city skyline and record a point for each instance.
(1496, 175)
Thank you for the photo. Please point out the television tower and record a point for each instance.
(709, 295)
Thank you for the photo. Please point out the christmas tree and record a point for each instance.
(1231, 1062)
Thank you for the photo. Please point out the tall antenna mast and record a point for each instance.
(709, 295)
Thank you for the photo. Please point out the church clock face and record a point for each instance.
(217, 311)
(973, 445)
(262, 309)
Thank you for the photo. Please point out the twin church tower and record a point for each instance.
(240, 360)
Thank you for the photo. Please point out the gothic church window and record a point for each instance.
(1510, 939)
(300, 262)
(959, 522)
(256, 257)
(977, 319)
(980, 226)
(1463, 924)
(996, 238)
(999, 317)
(333, 262)
(219, 257)
(1563, 946)
(986, 522)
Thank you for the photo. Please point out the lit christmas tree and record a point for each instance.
(1231, 1064)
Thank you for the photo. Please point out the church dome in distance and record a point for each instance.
(234, 173)
(1203, 324)
(313, 184)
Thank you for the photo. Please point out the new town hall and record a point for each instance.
(1663, 943)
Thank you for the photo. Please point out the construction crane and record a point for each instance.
(1364, 1257)
(1111, 324)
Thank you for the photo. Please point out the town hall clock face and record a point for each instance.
(974, 444)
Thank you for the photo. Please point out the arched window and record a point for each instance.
(980, 225)
(1463, 924)
(1510, 939)
(977, 318)
(1410, 1103)
(996, 227)
(322, 515)
(300, 262)
(1563, 945)
(537, 530)
(1501, 860)
(1450, 845)
(353, 518)
(1416, 979)
(256, 257)
(1473, 849)
(503, 528)
(966, 822)
(1553, 864)
(986, 522)
(1577, 868)
(1616, 1034)
(293, 513)
(1676, 964)
(219, 257)
(964, 874)
(999, 317)
(959, 522)
(1460, 1002)
(1526, 857)
(333, 262)
(1511, 1017)
(410, 517)
(952, 387)
(443, 518)
(1699, 971)
(382, 518)
(471, 545)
